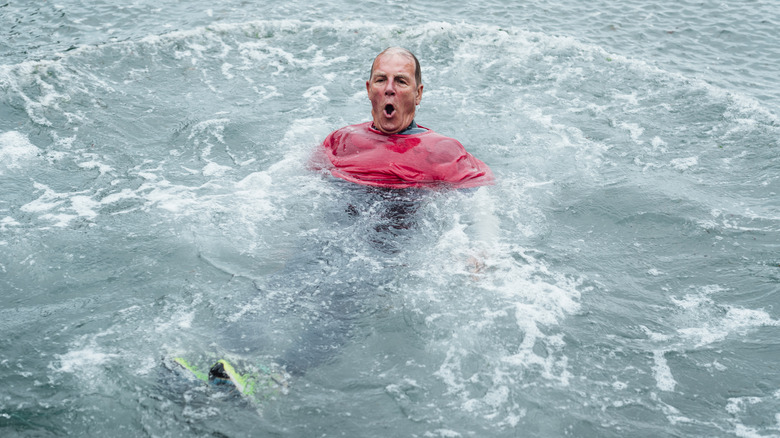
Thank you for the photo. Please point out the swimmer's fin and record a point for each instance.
(257, 383)
(200, 375)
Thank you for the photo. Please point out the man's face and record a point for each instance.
(393, 92)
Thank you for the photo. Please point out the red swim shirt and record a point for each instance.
(363, 155)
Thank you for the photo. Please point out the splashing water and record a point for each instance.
(618, 280)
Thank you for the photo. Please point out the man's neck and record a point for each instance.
(411, 129)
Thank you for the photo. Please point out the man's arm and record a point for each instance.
(484, 229)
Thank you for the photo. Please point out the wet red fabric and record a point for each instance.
(363, 155)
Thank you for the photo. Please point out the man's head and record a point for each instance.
(395, 89)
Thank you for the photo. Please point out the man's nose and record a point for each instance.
(390, 88)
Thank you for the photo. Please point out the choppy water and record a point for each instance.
(156, 201)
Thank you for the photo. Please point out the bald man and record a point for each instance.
(392, 151)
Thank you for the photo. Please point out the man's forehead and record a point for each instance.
(380, 72)
(394, 63)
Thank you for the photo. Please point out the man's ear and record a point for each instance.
(419, 94)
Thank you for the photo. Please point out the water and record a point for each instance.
(156, 201)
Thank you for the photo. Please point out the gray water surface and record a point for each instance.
(156, 201)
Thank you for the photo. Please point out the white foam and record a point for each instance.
(708, 322)
(254, 181)
(181, 320)
(497, 396)
(167, 196)
(226, 70)
(33, 75)
(214, 169)
(737, 405)
(78, 361)
(16, 150)
(60, 220)
(84, 206)
(634, 130)
(116, 197)
(658, 144)
(655, 337)
(6, 222)
(444, 433)
(317, 93)
(215, 127)
(743, 431)
(629, 98)
(48, 200)
(59, 208)
(684, 163)
(449, 371)
(94, 164)
(479, 305)
(664, 379)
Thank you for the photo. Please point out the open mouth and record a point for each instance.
(389, 110)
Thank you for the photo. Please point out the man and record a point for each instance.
(393, 151)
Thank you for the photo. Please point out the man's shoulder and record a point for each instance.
(443, 141)
(347, 131)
